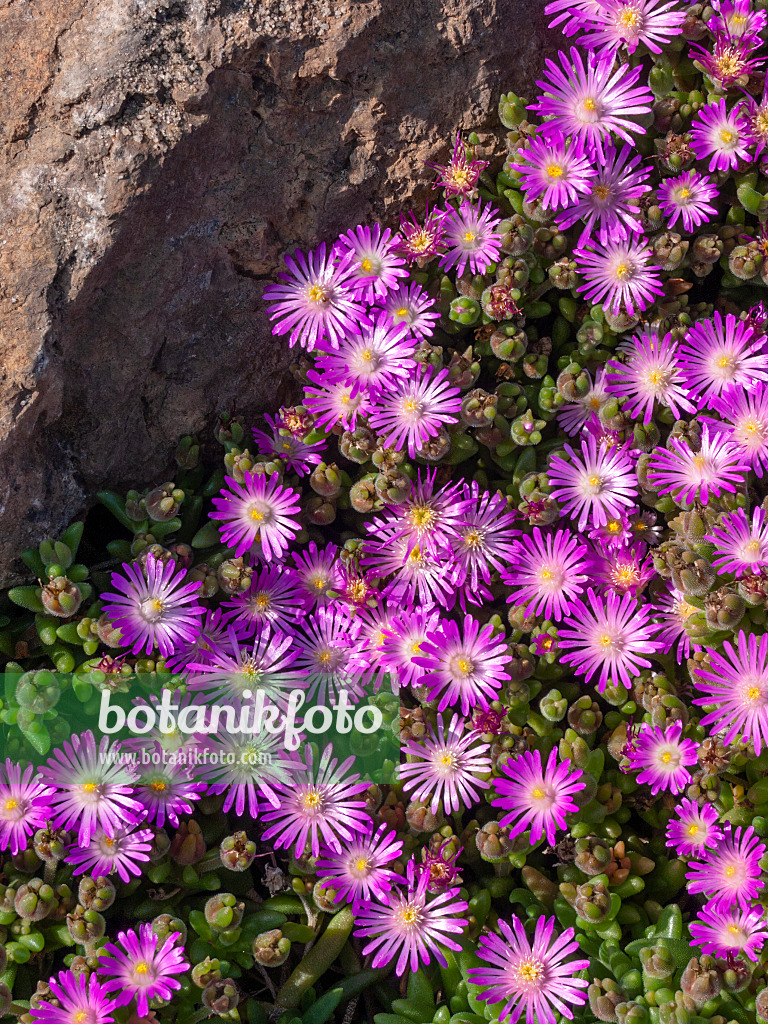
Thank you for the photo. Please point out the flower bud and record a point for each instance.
(604, 997)
(358, 444)
(325, 480)
(658, 962)
(516, 235)
(34, 900)
(234, 576)
(494, 843)
(164, 926)
(205, 972)
(96, 893)
(271, 949)
(187, 846)
(163, 502)
(700, 980)
(61, 597)
(585, 716)
(204, 574)
(421, 819)
(220, 996)
(38, 691)
(223, 912)
(237, 852)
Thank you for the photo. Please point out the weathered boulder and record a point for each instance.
(158, 158)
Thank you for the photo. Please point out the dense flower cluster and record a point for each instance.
(520, 505)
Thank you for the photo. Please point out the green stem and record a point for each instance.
(318, 960)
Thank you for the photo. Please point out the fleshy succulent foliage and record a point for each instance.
(519, 506)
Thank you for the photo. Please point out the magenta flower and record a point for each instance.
(694, 830)
(375, 356)
(741, 544)
(726, 933)
(619, 569)
(446, 767)
(320, 802)
(616, 23)
(275, 598)
(574, 415)
(608, 208)
(735, 683)
(609, 637)
(79, 1000)
(756, 114)
(531, 978)
(593, 485)
(464, 665)
(282, 444)
(671, 613)
(552, 169)
(650, 374)
(25, 805)
(316, 301)
(459, 177)
(403, 644)
(547, 573)
(92, 788)
(123, 853)
(429, 517)
(409, 304)
(248, 767)
(718, 466)
(416, 409)
(620, 275)
(535, 797)
(421, 243)
(688, 196)
(334, 402)
(416, 576)
(589, 100)
(142, 969)
(730, 60)
(212, 628)
(718, 354)
(736, 18)
(410, 926)
(471, 238)
(372, 255)
(745, 422)
(154, 609)
(317, 572)
(324, 652)
(359, 872)
(721, 135)
(236, 670)
(663, 758)
(729, 875)
(484, 539)
(166, 790)
(259, 513)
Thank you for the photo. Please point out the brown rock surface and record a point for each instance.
(158, 157)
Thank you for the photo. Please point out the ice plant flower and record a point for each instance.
(721, 135)
(574, 415)
(589, 100)
(651, 373)
(259, 514)
(484, 537)
(617, 568)
(372, 255)
(415, 575)
(756, 116)
(335, 402)
(720, 353)
(536, 797)
(630, 23)
(238, 669)
(609, 637)
(140, 968)
(471, 238)
(688, 196)
(316, 301)
(403, 644)
(25, 805)
(122, 853)
(718, 466)
(248, 767)
(156, 608)
(411, 926)
(409, 304)
(620, 275)
(594, 484)
(546, 573)
(556, 172)
(324, 652)
(91, 787)
(165, 790)
(735, 683)
(374, 356)
(416, 409)
(429, 517)
(671, 613)
(726, 933)
(282, 444)
(730, 60)
(79, 999)
(275, 598)
(359, 871)
(459, 177)
(317, 572)
(608, 208)
(694, 830)
(741, 544)
(737, 18)
(729, 875)
(531, 978)
(464, 664)
(663, 758)
(744, 414)
(320, 802)
(446, 767)
(421, 243)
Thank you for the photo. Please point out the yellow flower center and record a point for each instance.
(684, 193)
(469, 236)
(530, 970)
(594, 481)
(554, 171)
(693, 830)
(256, 514)
(666, 757)
(589, 104)
(655, 377)
(142, 967)
(11, 805)
(159, 787)
(753, 693)
(727, 136)
(422, 516)
(262, 601)
(623, 270)
(401, 312)
(312, 799)
(409, 915)
(416, 647)
(606, 640)
(361, 864)
(730, 871)
(366, 265)
(464, 665)
(538, 794)
(630, 18)
(316, 293)
(89, 787)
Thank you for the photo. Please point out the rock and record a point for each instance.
(158, 158)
